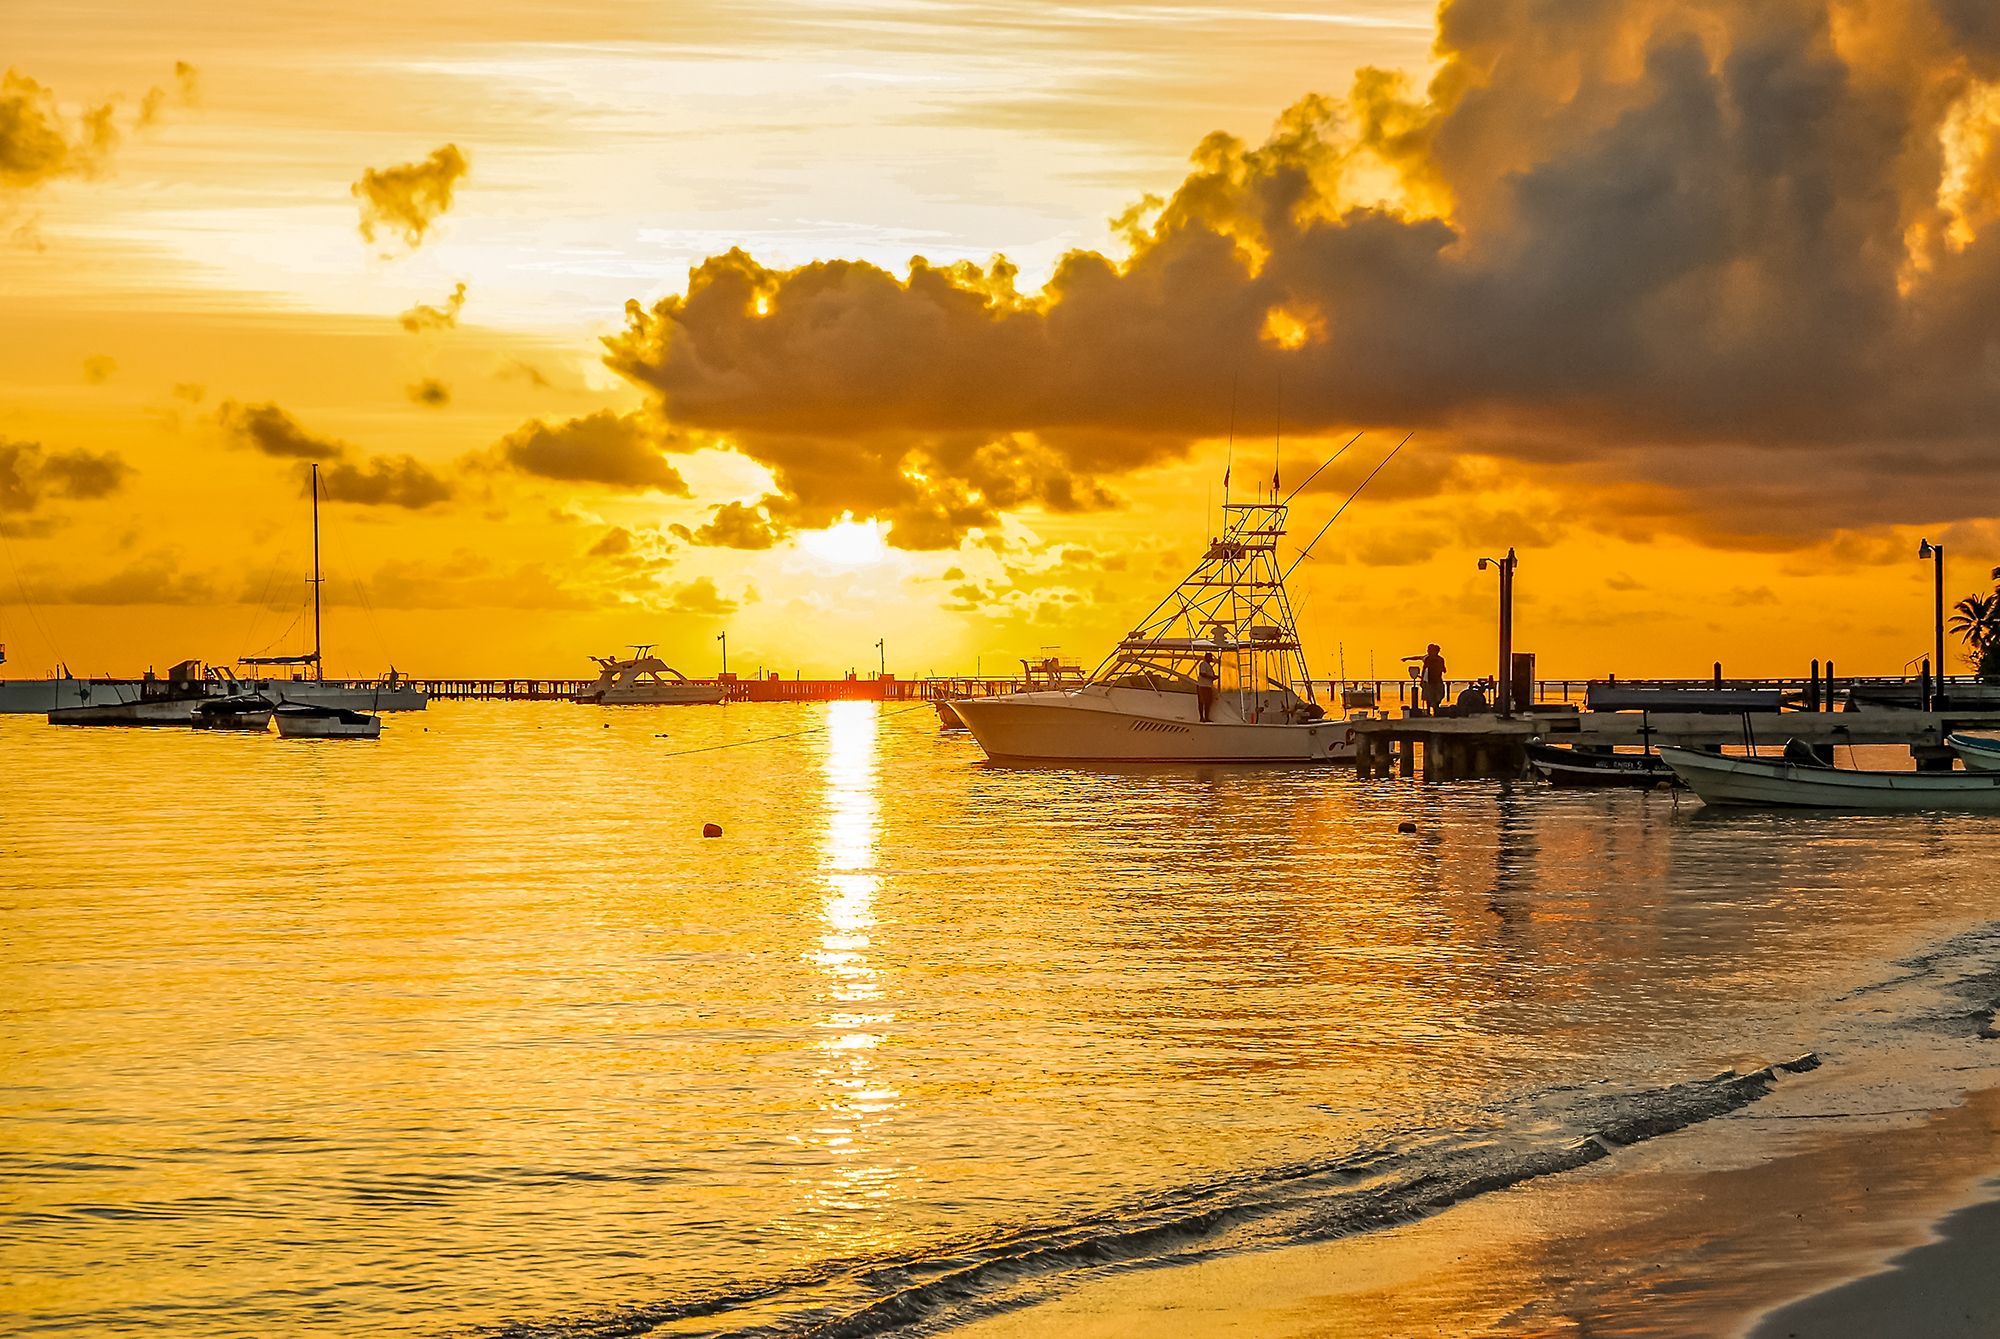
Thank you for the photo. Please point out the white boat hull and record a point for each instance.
(1724, 781)
(1100, 725)
(326, 727)
(1979, 753)
(658, 695)
(172, 711)
(40, 695)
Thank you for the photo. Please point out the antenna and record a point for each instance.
(1322, 465)
(1278, 439)
(1306, 552)
(319, 666)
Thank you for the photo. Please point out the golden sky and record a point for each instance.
(605, 325)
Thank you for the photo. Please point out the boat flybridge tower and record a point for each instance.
(1233, 607)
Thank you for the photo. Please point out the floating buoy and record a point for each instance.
(1406, 826)
(711, 829)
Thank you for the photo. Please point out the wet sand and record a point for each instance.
(1779, 1221)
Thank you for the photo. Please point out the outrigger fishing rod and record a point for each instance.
(1322, 465)
(1306, 552)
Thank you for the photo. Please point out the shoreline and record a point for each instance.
(1777, 1222)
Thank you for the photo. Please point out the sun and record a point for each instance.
(848, 544)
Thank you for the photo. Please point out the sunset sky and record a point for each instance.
(824, 321)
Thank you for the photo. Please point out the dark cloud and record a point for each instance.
(424, 317)
(39, 143)
(29, 475)
(618, 450)
(156, 580)
(405, 200)
(269, 429)
(1738, 250)
(430, 391)
(384, 481)
(192, 392)
(520, 369)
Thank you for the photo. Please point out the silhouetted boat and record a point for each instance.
(1565, 766)
(1786, 784)
(238, 711)
(301, 720)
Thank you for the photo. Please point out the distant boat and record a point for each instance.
(303, 720)
(1564, 766)
(1979, 753)
(1783, 784)
(644, 680)
(152, 701)
(239, 711)
(1229, 618)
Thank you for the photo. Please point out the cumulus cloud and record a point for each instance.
(614, 542)
(28, 475)
(269, 429)
(430, 391)
(155, 580)
(618, 450)
(699, 597)
(1743, 251)
(424, 317)
(734, 525)
(403, 201)
(384, 481)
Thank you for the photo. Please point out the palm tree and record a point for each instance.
(1976, 619)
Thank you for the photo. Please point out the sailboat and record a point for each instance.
(1229, 624)
(298, 714)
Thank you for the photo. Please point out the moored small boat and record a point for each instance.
(1979, 753)
(1561, 765)
(1780, 784)
(304, 720)
(241, 711)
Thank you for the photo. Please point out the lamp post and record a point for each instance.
(1935, 552)
(881, 662)
(723, 637)
(1503, 687)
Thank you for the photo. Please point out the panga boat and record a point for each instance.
(1979, 753)
(643, 680)
(1564, 766)
(307, 720)
(238, 711)
(1784, 784)
(1143, 704)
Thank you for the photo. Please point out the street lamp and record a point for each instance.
(1503, 695)
(1935, 552)
(881, 662)
(723, 637)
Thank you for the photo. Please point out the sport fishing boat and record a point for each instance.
(1226, 634)
(644, 680)
(1793, 782)
(303, 720)
(1047, 672)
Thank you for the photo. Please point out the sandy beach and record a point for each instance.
(1784, 1221)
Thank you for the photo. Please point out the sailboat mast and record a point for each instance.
(319, 669)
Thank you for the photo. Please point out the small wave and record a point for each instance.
(1355, 1192)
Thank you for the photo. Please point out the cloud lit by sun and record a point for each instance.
(848, 544)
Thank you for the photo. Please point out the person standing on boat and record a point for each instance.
(1432, 678)
(1206, 676)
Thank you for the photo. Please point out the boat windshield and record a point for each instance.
(1156, 675)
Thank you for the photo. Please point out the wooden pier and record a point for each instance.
(1457, 748)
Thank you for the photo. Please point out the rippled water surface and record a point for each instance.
(471, 1028)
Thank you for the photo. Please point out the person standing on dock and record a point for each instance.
(1206, 676)
(1431, 680)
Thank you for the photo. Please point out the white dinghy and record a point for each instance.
(1776, 783)
(1979, 753)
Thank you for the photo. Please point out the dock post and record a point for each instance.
(1829, 683)
(1407, 760)
(1812, 692)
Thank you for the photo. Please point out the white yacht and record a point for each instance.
(644, 680)
(1229, 623)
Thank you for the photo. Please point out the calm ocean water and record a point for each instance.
(470, 1030)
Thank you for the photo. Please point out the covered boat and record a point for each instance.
(1216, 673)
(1561, 765)
(1792, 784)
(306, 720)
